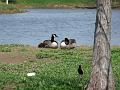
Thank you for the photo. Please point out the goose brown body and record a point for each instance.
(49, 43)
(68, 43)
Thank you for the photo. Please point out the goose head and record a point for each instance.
(66, 41)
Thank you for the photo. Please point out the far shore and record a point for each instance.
(21, 8)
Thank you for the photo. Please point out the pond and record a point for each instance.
(36, 25)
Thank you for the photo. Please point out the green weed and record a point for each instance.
(55, 69)
(5, 49)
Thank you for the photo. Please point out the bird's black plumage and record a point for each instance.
(80, 71)
(66, 41)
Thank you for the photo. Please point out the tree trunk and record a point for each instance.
(101, 76)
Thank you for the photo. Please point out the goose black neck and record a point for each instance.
(52, 38)
(66, 41)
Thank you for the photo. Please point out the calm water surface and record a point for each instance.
(36, 25)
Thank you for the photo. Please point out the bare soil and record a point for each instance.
(18, 55)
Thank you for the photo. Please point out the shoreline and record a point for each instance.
(20, 8)
(26, 45)
(62, 6)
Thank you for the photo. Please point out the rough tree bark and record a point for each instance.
(101, 76)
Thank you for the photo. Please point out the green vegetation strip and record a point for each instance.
(9, 8)
(55, 1)
(17, 6)
(55, 69)
(49, 4)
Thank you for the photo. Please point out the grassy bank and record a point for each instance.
(22, 4)
(9, 8)
(55, 69)
(56, 3)
(62, 3)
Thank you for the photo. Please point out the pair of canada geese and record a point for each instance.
(66, 43)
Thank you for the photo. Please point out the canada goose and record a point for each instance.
(80, 71)
(68, 43)
(49, 43)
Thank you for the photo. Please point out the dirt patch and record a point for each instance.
(18, 55)
(5, 57)
(10, 87)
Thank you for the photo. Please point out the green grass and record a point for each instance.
(19, 5)
(56, 1)
(4, 49)
(61, 3)
(55, 69)
(9, 8)
(7, 48)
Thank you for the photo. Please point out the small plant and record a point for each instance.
(23, 50)
(42, 55)
(5, 49)
(9, 8)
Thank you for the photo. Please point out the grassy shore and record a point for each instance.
(55, 69)
(11, 8)
(56, 3)
(23, 4)
(62, 3)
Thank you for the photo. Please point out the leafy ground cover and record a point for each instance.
(55, 69)
(19, 5)
(9, 8)
(56, 3)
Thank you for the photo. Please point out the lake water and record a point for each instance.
(36, 25)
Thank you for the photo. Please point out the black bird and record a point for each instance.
(80, 71)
